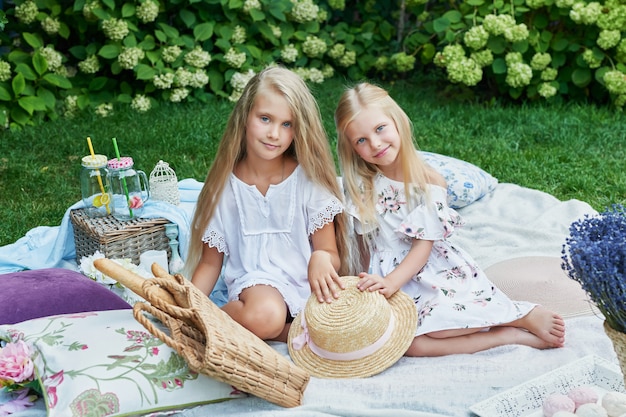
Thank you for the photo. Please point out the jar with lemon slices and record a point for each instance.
(94, 185)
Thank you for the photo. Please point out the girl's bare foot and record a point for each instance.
(519, 336)
(545, 324)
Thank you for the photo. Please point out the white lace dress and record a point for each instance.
(451, 291)
(266, 239)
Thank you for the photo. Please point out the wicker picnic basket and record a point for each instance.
(115, 238)
(209, 340)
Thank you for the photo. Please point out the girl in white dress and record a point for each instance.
(270, 210)
(399, 208)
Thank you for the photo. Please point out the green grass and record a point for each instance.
(572, 151)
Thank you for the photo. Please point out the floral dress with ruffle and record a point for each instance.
(266, 238)
(450, 291)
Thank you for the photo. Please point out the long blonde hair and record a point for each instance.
(310, 148)
(358, 175)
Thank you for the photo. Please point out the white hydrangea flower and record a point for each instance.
(88, 9)
(239, 35)
(609, 38)
(170, 53)
(518, 75)
(198, 57)
(546, 90)
(90, 65)
(26, 12)
(70, 105)
(476, 37)
(540, 61)
(115, 29)
(50, 25)
(289, 53)
(147, 11)
(104, 109)
(178, 95)
(54, 58)
(316, 76)
(304, 10)
(141, 103)
(199, 79)
(235, 59)
(239, 80)
(5, 71)
(163, 81)
(314, 47)
(130, 57)
(251, 5)
(348, 59)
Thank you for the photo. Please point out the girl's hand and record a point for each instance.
(323, 278)
(373, 282)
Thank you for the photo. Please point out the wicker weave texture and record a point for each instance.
(115, 238)
(214, 344)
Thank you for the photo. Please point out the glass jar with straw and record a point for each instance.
(94, 184)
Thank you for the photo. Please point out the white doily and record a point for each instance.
(164, 184)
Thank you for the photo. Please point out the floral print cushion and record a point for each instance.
(107, 361)
(466, 182)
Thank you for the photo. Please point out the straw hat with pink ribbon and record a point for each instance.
(360, 334)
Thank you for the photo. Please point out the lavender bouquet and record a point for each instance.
(595, 255)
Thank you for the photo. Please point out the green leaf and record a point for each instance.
(497, 45)
(78, 51)
(476, 3)
(145, 72)
(98, 83)
(128, 10)
(160, 35)
(171, 32)
(26, 71)
(33, 39)
(109, 51)
(17, 57)
(453, 16)
(58, 80)
(257, 15)
(581, 77)
(33, 103)
(109, 3)
(48, 97)
(277, 9)
(559, 43)
(5, 95)
(124, 98)
(18, 84)
(40, 64)
(19, 116)
(64, 31)
(188, 18)
(498, 66)
(147, 43)
(441, 24)
(203, 31)
(216, 80)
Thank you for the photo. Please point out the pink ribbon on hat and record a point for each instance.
(304, 338)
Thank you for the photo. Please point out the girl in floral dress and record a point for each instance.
(270, 211)
(399, 209)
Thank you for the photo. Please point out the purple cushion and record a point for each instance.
(37, 293)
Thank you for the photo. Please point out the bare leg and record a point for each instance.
(545, 324)
(477, 341)
(260, 309)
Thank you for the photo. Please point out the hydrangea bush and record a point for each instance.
(595, 255)
(525, 49)
(58, 58)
